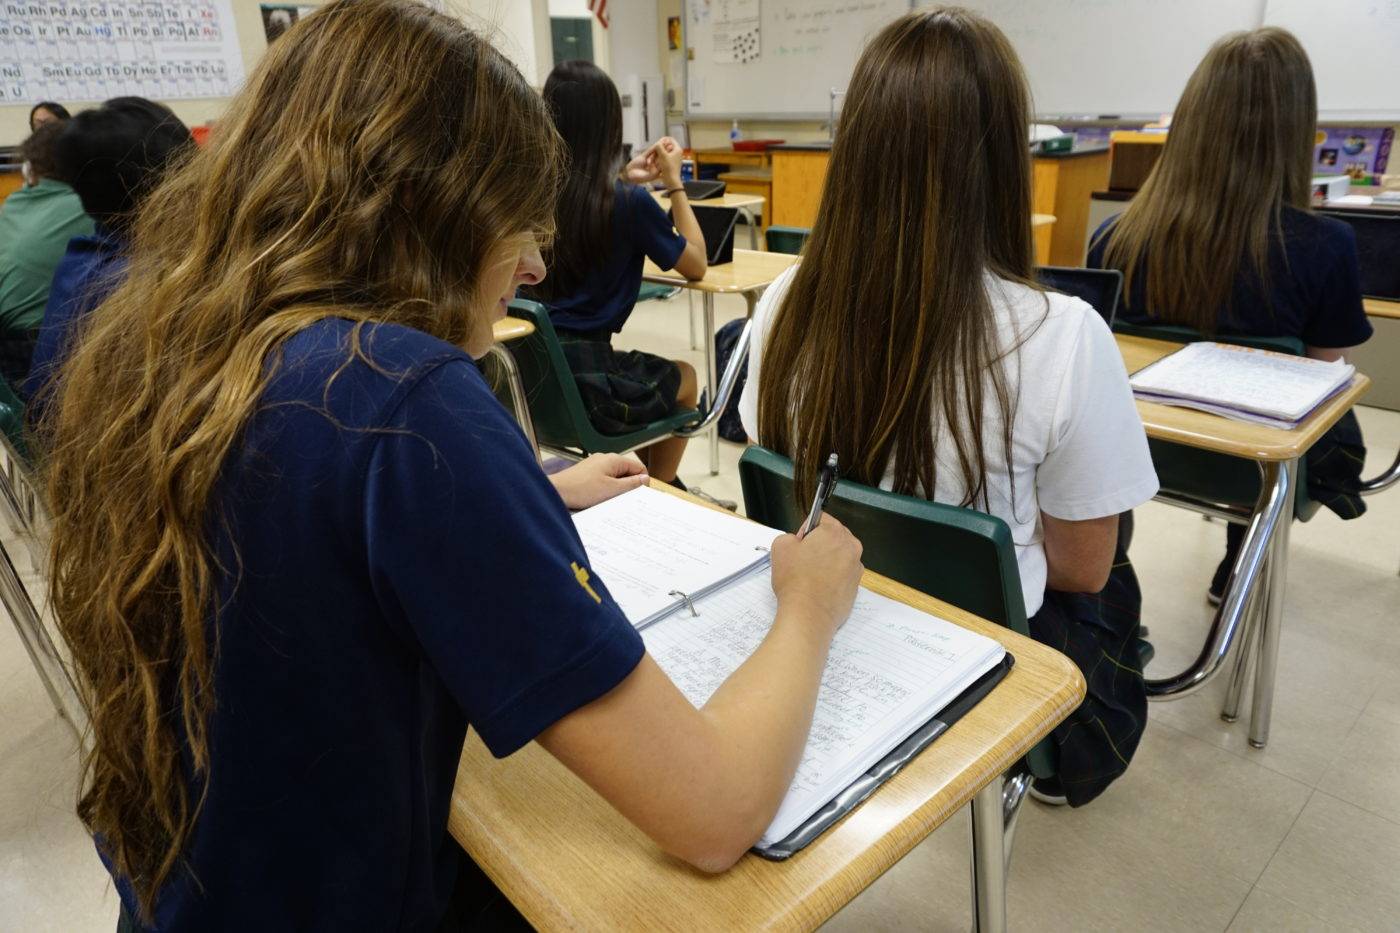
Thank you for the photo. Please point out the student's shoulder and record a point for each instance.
(365, 368)
(1041, 315)
(1310, 233)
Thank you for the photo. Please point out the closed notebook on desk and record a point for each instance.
(697, 582)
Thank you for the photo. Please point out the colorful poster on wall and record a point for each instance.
(84, 52)
(1357, 151)
(673, 32)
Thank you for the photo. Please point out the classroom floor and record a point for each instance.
(1203, 833)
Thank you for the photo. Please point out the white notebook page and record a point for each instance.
(1273, 384)
(645, 544)
(891, 668)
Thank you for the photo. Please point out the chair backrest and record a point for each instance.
(12, 419)
(1211, 476)
(1100, 288)
(960, 556)
(786, 239)
(1377, 248)
(556, 408)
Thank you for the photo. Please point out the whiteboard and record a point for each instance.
(1355, 50)
(74, 51)
(1099, 58)
(777, 58)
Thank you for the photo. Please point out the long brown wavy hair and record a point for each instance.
(378, 156)
(1239, 151)
(886, 332)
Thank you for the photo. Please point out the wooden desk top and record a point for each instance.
(1379, 307)
(1042, 220)
(750, 270)
(567, 860)
(511, 328)
(724, 200)
(1223, 435)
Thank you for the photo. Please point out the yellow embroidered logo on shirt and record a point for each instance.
(581, 575)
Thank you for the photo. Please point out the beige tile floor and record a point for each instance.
(1203, 833)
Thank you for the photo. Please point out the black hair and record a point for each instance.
(114, 154)
(52, 107)
(38, 150)
(587, 112)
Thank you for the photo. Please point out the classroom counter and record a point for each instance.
(1062, 183)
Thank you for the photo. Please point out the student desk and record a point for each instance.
(567, 860)
(1264, 555)
(1380, 356)
(504, 331)
(749, 274)
(745, 204)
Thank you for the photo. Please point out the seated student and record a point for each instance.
(46, 111)
(113, 154)
(299, 548)
(1230, 247)
(36, 223)
(604, 227)
(926, 357)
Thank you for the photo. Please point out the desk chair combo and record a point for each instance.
(555, 407)
(1263, 494)
(975, 570)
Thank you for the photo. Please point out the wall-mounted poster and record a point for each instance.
(93, 51)
(278, 18)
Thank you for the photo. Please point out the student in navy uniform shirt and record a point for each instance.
(115, 154)
(1233, 249)
(605, 227)
(299, 549)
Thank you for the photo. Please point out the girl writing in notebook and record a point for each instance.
(1224, 241)
(924, 355)
(299, 549)
(605, 226)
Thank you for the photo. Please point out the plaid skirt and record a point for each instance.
(622, 391)
(1099, 633)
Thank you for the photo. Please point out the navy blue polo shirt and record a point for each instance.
(404, 571)
(1314, 286)
(640, 229)
(90, 269)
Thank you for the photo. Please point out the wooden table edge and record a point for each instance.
(1382, 308)
(706, 285)
(814, 905)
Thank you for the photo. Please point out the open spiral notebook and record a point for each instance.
(696, 582)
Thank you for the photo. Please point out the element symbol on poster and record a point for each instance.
(737, 31)
(83, 52)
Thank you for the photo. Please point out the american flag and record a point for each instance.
(600, 10)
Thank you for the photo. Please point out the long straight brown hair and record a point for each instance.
(380, 154)
(1239, 151)
(887, 333)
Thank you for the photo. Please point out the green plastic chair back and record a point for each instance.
(961, 556)
(1199, 473)
(650, 290)
(556, 408)
(786, 239)
(12, 419)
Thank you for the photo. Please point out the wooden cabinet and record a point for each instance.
(798, 176)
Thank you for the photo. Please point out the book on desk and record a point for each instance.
(1242, 383)
(696, 582)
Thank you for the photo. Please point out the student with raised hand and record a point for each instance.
(923, 353)
(298, 548)
(605, 226)
(1221, 237)
(113, 156)
(36, 223)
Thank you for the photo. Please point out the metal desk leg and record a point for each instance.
(753, 227)
(1271, 624)
(690, 302)
(517, 395)
(1239, 676)
(988, 860)
(707, 302)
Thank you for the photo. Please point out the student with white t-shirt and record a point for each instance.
(913, 342)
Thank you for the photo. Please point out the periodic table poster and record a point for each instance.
(91, 51)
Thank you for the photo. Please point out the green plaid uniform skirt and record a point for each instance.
(622, 391)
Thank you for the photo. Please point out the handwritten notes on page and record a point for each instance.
(891, 669)
(648, 545)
